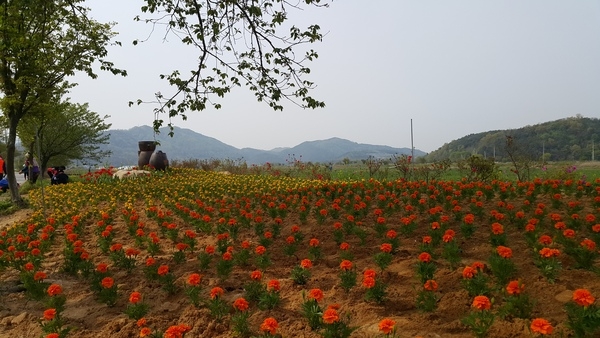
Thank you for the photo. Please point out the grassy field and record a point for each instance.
(588, 171)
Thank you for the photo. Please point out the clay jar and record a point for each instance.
(159, 161)
(145, 152)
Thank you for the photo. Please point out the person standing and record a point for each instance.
(25, 170)
(2, 167)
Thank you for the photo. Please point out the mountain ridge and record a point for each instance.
(567, 139)
(187, 144)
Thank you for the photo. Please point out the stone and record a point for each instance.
(565, 296)
(19, 319)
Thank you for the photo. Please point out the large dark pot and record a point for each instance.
(159, 161)
(145, 152)
(147, 145)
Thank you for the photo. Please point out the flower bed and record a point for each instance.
(206, 255)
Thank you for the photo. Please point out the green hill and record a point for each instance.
(569, 139)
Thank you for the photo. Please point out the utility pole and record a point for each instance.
(412, 146)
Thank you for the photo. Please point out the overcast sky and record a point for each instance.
(453, 67)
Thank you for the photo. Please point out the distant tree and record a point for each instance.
(41, 44)
(373, 165)
(66, 132)
(519, 157)
(477, 168)
(239, 43)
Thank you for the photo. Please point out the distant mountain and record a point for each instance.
(569, 139)
(187, 144)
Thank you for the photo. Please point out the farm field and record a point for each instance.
(422, 253)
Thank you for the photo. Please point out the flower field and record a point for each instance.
(203, 254)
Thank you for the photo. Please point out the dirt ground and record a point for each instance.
(20, 317)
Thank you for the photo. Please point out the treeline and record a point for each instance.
(569, 139)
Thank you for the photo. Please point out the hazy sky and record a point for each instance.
(453, 67)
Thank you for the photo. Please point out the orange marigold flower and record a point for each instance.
(588, 244)
(315, 294)
(391, 234)
(478, 266)
(346, 265)
(306, 263)
(435, 225)
(209, 249)
(386, 247)
(52, 335)
(334, 306)
(181, 246)
(515, 287)
(368, 282)
(194, 279)
(269, 325)
(256, 275)
(369, 273)
(29, 266)
(569, 233)
(163, 270)
(504, 251)
(344, 246)
(541, 326)
(481, 303)
(177, 331)
(274, 285)
(107, 282)
(387, 326)
(245, 245)
(583, 297)
(132, 252)
(290, 240)
(547, 252)
(430, 285)
(54, 290)
(330, 316)
(260, 250)
(596, 228)
(241, 304)
(150, 261)
(141, 322)
(427, 240)
(560, 225)
(469, 219)
(497, 229)
(468, 272)
(145, 332)
(102, 267)
(227, 256)
(425, 257)
(135, 297)
(116, 247)
(216, 292)
(49, 314)
(545, 240)
(313, 242)
(40, 275)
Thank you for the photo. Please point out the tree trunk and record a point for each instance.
(10, 163)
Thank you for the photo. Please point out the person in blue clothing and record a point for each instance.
(4, 184)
